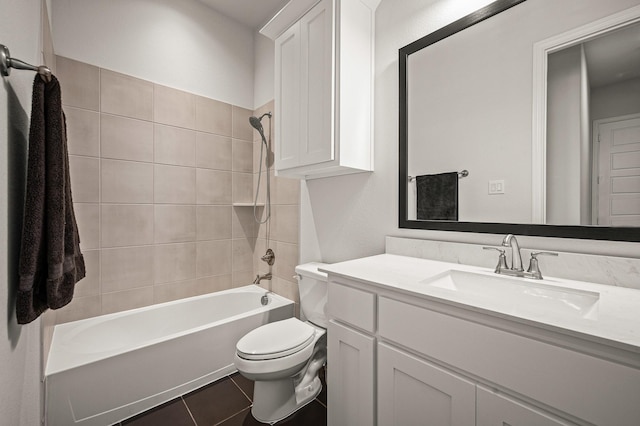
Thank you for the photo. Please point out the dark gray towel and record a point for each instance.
(50, 259)
(437, 196)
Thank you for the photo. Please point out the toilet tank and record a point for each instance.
(313, 292)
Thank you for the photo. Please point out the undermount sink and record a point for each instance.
(515, 295)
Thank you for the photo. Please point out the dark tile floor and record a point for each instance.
(226, 402)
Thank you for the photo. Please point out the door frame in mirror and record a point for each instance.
(631, 234)
(541, 52)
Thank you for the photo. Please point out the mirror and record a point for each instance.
(466, 104)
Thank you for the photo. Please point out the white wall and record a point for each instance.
(347, 217)
(20, 392)
(264, 71)
(181, 44)
(616, 99)
(564, 80)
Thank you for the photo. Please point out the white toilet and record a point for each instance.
(284, 357)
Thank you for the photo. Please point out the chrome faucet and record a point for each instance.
(516, 259)
(516, 269)
(259, 278)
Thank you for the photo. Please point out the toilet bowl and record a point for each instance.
(283, 358)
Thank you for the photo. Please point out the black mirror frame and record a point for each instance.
(631, 234)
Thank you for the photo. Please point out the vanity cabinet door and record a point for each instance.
(350, 371)
(498, 410)
(412, 391)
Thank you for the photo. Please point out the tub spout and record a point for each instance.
(259, 278)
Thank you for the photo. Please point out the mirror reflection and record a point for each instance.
(469, 108)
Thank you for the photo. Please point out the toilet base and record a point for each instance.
(276, 400)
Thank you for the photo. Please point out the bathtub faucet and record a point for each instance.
(259, 278)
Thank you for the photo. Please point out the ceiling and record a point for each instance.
(252, 13)
(614, 57)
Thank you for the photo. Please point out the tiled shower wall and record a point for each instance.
(155, 173)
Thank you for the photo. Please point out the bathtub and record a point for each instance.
(105, 369)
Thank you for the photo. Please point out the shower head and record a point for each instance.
(256, 123)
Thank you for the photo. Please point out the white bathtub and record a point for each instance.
(105, 369)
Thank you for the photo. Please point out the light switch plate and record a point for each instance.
(496, 187)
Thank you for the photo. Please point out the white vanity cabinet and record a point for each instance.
(324, 88)
(412, 391)
(442, 364)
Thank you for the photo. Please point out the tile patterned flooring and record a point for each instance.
(226, 402)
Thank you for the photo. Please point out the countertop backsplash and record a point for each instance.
(610, 270)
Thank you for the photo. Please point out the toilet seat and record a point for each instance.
(276, 340)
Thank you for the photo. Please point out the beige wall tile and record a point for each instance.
(269, 225)
(83, 131)
(126, 268)
(80, 83)
(88, 219)
(174, 223)
(79, 308)
(215, 283)
(242, 191)
(286, 191)
(174, 185)
(242, 278)
(213, 116)
(124, 95)
(242, 156)
(182, 289)
(125, 300)
(286, 289)
(242, 254)
(174, 145)
(85, 179)
(174, 262)
(287, 223)
(175, 290)
(241, 129)
(214, 258)
(243, 223)
(126, 182)
(90, 284)
(214, 222)
(213, 187)
(126, 225)
(260, 248)
(261, 187)
(174, 107)
(126, 138)
(213, 151)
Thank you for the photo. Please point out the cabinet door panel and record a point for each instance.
(316, 108)
(499, 410)
(350, 371)
(287, 100)
(412, 391)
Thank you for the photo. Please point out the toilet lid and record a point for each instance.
(275, 340)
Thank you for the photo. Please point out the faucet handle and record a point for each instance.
(545, 253)
(502, 259)
(534, 268)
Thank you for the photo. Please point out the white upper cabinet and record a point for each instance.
(323, 87)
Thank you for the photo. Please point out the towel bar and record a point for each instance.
(7, 62)
(461, 174)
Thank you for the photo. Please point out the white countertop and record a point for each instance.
(617, 322)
